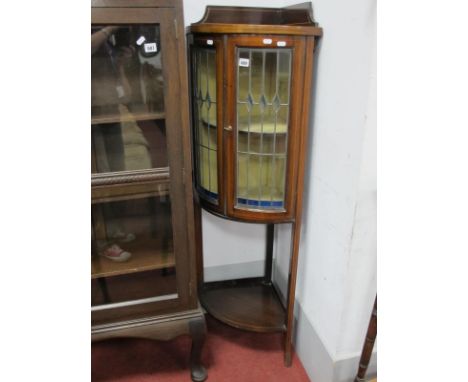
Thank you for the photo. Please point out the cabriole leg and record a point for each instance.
(197, 327)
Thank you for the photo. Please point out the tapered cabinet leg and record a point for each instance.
(288, 354)
(197, 328)
(288, 346)
(296, 232)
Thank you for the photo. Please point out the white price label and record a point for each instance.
(267, 41)
(209, 42)
(141, 40)
(245, 62)
(281, 43)
(150, 47)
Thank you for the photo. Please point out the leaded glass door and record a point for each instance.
(262, 125)
(206, 58)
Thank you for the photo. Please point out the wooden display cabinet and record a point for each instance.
(143, 270)
(251, 78)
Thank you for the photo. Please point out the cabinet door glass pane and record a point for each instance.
(128, 130)
(132, 257)
(263, 92)
(205, 123)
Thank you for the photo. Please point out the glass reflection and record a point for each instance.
(126, 70)
(132, 254)
(127, 99)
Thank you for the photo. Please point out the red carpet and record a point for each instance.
(229, 355)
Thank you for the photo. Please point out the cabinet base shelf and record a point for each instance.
(247, 304)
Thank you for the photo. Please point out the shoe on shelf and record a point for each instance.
(115, 253)
(122, 237)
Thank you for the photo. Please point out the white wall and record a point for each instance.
(342, 99)
(337, 266)
(336, 273)
(232, 250)
(360, 286)
(194, 10)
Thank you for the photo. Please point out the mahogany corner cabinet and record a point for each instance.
(251, 79)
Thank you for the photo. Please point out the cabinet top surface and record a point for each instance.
(294, 20)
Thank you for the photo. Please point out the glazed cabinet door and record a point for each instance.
(206, 61)
(263, 125)
(140, 252)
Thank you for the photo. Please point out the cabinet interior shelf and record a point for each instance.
(247, 304)
(113, 118)
(146, 256)
(266, 129)
(255, 128)
(128, 191)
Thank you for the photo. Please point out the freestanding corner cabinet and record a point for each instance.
(251, 77)
(143, 268)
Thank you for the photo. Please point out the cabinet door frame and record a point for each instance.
(297, 45)
(114, 185)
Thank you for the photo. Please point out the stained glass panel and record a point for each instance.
(263, 89)
(204, 106)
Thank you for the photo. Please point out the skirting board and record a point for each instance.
(314, 356)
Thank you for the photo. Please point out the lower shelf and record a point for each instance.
(146, 255)
(245, 304)
(134, 286)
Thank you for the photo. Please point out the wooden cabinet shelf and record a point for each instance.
(245, 304)
(114, 118)
(127, 191)
(145, 257)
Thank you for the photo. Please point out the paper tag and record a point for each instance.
(245, 62)
(209, 42)
(120, 91)
(150, 47)
(267, 41)
(141, 40)
(281, 43)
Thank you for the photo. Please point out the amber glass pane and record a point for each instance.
(205, 124)
(132, 255)
(263, 88)
(127, 99)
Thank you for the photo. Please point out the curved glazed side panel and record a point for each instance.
(206, 55)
